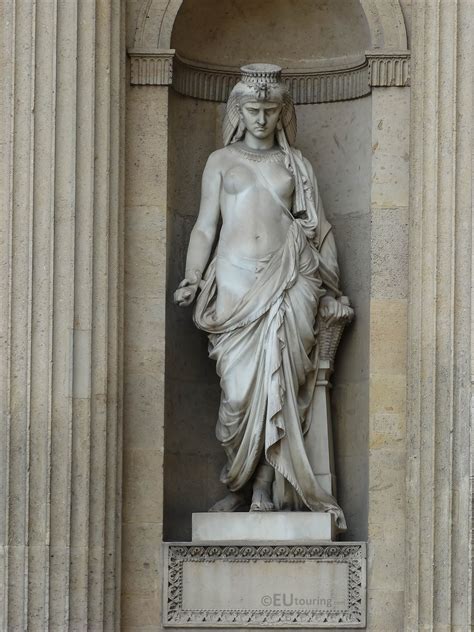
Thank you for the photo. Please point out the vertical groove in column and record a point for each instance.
(29, 324)
(100, 308)
(413, 497)
(63, 314)
(444, 363)
(20, 317)
(428, 324)
(438, 576)
(41, 306)
(461, 587)
(7, 50)
(84, 238)
(112, 527)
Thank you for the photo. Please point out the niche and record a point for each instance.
(336, 138)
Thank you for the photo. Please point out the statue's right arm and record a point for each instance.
(203, 233)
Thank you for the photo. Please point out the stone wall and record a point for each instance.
(79, 550)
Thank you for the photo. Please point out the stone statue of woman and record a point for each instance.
(274, 267)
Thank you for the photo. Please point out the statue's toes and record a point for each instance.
(262, 505)
(232, 502)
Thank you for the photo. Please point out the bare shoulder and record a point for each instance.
(219, 159)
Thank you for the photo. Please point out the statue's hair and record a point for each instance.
(260, 82)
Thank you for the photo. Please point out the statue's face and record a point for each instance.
(261, 117)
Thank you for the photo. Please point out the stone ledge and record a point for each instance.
(336, 79)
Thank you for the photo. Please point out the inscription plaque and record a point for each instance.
(265, 586)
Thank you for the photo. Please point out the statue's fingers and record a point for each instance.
(179, 297)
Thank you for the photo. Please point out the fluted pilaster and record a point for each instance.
(438, 578)
(60, 302)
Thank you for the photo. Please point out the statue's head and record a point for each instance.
(260, 103)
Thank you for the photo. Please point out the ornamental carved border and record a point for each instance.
(353, 554)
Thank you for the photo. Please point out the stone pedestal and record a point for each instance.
(318, 441)
(264, 570)
(282, 526)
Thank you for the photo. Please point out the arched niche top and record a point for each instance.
(386, 24)
(230, 33)
(156, 19)
(155, 23)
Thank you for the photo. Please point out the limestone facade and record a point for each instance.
(96, 145)
(62, 146)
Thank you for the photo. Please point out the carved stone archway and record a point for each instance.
(387, 60)
(384, 63)
(155, 24)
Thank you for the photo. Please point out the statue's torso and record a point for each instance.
(254, 222)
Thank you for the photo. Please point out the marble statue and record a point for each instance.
(274, 270)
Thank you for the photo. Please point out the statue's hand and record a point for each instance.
(333, 311)
(186, 292)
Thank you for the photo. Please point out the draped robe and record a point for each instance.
(267, 351)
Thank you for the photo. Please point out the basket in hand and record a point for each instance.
(330, 336)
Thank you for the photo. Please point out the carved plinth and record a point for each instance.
(265, 586)
(281, 526)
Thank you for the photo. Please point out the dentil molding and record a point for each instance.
(337, 79)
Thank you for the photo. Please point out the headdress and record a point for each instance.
(259, 82)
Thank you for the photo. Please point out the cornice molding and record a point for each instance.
(388, 68)
(333, 80)
(337, 79)
(152, 68)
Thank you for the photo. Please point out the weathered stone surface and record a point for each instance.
(60, 375)
(60, 296)
(265, 586)
(439, 565)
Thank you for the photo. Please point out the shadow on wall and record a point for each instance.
(336, 138)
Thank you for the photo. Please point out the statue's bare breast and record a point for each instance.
(254, 221)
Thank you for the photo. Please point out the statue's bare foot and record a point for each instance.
(231, 502)
(261, 500)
